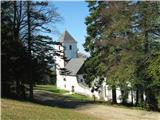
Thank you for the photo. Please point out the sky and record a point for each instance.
(73, 14)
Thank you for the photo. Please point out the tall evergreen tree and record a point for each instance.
(123, 50)
(21, 23)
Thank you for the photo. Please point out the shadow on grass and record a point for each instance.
(55, 100)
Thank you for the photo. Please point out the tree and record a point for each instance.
(149, 31)
(13, 52)
(125, 47)
(29, 49)
(40, 45)
(106, 34)
(20, 26)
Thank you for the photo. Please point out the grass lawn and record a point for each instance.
(56, 91)
(56, 108)
(17, 110)
(50, 88)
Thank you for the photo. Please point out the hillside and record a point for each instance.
(17, 110)
(54, 104)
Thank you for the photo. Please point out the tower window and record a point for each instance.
(59, 47)
(70, 47)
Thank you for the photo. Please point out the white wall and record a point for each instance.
(81, 88)
(118, 95)
(59, 64)
(72, 81)
(59, 61)
(107, 93)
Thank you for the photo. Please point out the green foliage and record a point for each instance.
(93, 22)
(125, 49)
(17, 63)
(93, 68)
(153, 71)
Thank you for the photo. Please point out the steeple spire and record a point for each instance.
(66, 38)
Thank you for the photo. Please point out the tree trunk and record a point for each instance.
(124, 96)
(141, 97)
(151, 100)
(16, 38)
(29, 51)
(137, 97)
(114, 98)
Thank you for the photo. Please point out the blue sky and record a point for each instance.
(74, 14)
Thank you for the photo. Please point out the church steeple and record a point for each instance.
(70, 45)
(66, 38)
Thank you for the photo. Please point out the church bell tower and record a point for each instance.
(68, 49)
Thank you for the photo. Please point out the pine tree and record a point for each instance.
(21, 29)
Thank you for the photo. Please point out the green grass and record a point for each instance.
(17, 110)
(50, 88)
(79, 97)
(56, 91)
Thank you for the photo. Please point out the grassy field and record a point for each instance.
(17, 110)
(53, 104)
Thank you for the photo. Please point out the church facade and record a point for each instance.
(74, 81)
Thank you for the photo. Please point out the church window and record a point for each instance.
(59, 47)
(81, 80)
(70, 47)
(64, 79)
(64, 86)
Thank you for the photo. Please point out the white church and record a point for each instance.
(73, 81)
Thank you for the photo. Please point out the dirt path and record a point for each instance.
(117, 113)
(101, 112)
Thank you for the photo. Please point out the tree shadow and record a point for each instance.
(56, 100)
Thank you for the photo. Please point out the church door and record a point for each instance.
(72, 88)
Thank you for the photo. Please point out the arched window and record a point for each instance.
(70, 47)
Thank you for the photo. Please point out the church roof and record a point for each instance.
(74, 65)
(67, 38)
